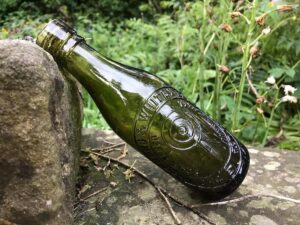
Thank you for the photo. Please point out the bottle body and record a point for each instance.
(153, 117)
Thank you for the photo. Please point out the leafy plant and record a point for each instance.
(220, 54)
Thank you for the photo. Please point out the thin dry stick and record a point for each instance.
(107, 142)
(109, 147)
(89, 196)
(93, 194)
(109, 150)
(107, 165)
(177, 220)
(247, 197)
(140, 173)
(124, 152)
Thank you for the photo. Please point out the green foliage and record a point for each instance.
(92, 116)
(7, 4)
(187, 45)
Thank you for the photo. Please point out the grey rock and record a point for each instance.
(138, 203)
(259, 220)
(40, 127)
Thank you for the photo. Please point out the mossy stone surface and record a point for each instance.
(272, 171)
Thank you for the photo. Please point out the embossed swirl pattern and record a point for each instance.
(180, 129)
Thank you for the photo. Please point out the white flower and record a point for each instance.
(270, 80)
(266, 31)
(289, 98)
(288, 89)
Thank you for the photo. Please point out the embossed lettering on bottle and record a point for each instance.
(167, 122)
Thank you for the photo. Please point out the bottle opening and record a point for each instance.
(57, 38)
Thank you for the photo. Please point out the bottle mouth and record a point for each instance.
(58, 38)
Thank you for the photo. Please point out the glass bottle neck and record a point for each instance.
(90, 67)
(58, 39)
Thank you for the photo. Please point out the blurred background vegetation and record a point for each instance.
(231, 58)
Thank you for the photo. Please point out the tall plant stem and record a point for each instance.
(245, 63)
(221, 58)
(202, 54)
(271, 115)
(218, 80)
(201, 81)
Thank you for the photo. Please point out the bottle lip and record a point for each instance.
(57, 38)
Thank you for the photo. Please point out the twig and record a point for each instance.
(109, 147)
(124, 152)
(88, 210)
(247, 197)
(82, 213)
(93, 194)
(129, 173)
(107, 165)
(107, 142)
(143, 175)
(87, 197)
(109, 150)
(177, 220)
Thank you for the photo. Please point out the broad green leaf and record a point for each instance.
(209, 74)
(277, 72)
(290, 72)
(228, 101)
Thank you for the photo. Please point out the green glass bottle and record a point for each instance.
(152, 117)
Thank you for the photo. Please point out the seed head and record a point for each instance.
(260, 21)
(285, 8)
(260, 100)
(226, 27)
(235, 14)
(254, 51)
(223, 69)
